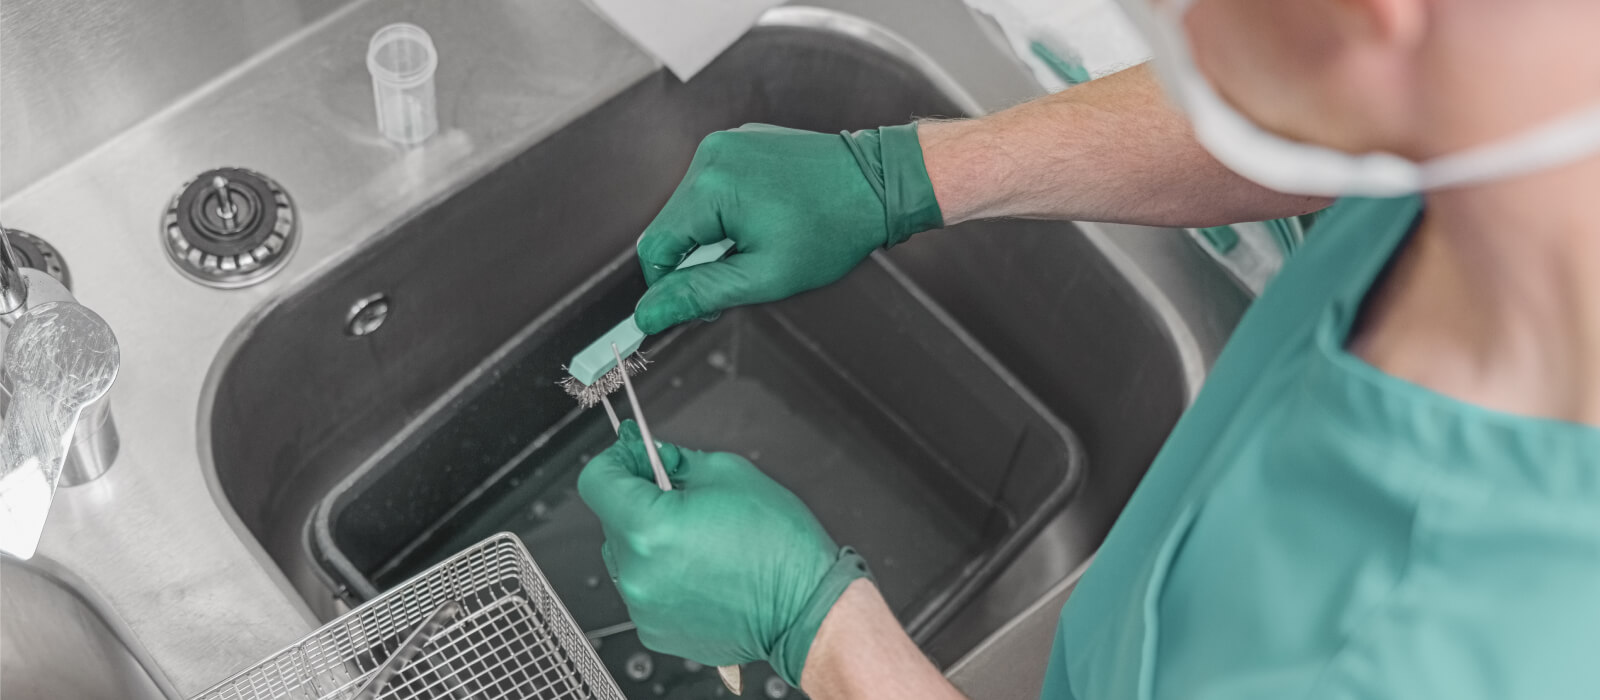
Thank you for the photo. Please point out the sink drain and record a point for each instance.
(229, 227)
(34, 252)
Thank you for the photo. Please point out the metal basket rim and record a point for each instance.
(602, 683)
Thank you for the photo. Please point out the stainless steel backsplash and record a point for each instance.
(74, 73)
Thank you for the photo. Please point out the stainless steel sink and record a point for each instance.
(301, 399)
(559, 139)
(55, 644)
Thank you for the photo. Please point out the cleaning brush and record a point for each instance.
(590, 381)
(594, 372)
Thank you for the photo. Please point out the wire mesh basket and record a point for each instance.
(513, 639)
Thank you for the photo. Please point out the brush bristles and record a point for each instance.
(589, 395)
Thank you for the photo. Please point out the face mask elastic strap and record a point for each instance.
(1566, 140)
(1250, 150)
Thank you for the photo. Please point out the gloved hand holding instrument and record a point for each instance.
(715, 561)
(727, 568)
(808, 576)
(600, 368)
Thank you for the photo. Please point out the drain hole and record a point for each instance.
(366, 315)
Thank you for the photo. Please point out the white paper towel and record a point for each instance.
(685, 35)
(1092, 33)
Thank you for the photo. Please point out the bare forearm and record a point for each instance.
(1108, 150)
(861, 652)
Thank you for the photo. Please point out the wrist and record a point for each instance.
(793, 648)
(890, 158)
(855, 618)
(955, 154)
(862, 652)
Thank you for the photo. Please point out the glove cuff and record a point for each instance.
(789, 654)
(891, 159)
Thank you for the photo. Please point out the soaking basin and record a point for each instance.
(908, 442)
(328, 377)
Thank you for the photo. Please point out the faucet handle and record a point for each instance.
(60, 357)
(64, 348)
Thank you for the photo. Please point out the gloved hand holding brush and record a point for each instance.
(803, 208)
(729, 567)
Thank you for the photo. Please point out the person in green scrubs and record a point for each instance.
(1389, 486)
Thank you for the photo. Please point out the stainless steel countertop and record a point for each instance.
(153, 538)
(153, 541)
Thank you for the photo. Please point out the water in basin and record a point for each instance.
(772, 409)
(906, 440)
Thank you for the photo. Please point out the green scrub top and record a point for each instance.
(1315, 528)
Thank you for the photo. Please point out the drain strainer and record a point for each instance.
(229, 227)
(34, 252)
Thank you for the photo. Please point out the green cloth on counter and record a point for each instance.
(1222, 239)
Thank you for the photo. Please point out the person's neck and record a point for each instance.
(1496, 299)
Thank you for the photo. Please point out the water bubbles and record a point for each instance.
(776, 688)
(719, 360)
(639, 666)
(592, 582)
(539, 510)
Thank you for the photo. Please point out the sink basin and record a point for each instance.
(311, 388)
(54, 644)
(907, 442)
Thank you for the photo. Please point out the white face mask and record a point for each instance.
(1290, 166)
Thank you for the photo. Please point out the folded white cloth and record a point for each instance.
(685, 35)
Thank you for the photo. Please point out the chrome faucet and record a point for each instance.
(59, 361)
(13, 286)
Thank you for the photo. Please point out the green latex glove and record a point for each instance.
(803, 209)
(727, 568)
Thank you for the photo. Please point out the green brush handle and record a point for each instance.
(595, 360)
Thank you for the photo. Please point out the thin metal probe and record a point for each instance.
(644, 428)
(611, 413)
